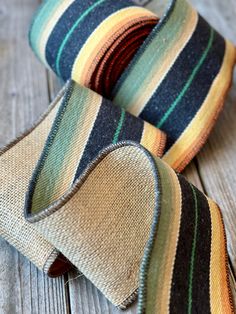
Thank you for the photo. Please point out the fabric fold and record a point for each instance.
(174, 72)
(100, 199)
(130, 209)
(95, 124)
(17, 162)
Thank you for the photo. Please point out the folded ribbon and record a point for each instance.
(129, 208)
(96, 124)
(112, 209)
(173, 73)
(102, 200)
(17, 162)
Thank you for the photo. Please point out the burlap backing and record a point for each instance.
(17, 162)
(104, 225)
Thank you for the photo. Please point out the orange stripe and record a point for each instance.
(220, 294)
(178, 157)
(153, 139)
(108, 38)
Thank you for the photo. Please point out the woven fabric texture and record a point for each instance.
(94, 123)
(128, 209)
(99, 197)
(17, 162)
(185, 264)
(174, 72)
(86, 124)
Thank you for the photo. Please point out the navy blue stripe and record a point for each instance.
(62, 27)
(103, 132)
(180, 278)
(81, 33)
(201, 275)
(177, 77)
(180, 281)
(132, 128)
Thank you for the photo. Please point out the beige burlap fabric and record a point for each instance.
(17, 162)
(103, 224)
(131, 222)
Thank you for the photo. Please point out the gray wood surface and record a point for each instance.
(25, 91)
(23, 97)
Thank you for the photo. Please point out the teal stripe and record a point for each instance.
(91, 8)
(193, 254)
(189, 82)
(40, 20)
(119, 127)
(151, 55)
(70, 117)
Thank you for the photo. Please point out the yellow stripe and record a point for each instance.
(50, 26)
(219, 295)
(159, 72)
(198, 130)
(99, 39)
(153, 139)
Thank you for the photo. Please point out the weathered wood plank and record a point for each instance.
(217, 159)
(86, 299)
(220, 14)
(24, 96)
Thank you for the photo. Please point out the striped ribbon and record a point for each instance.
(130, 209)
(108, 206)
(98, 195)
(174, 72)
(95, 124)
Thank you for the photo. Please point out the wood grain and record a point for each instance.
(217, 160)
(26, 88)
(24, 96)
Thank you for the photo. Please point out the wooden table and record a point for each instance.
(25, 91)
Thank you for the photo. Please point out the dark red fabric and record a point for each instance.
(118, 56)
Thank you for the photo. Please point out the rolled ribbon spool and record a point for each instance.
(174, 72)
(98, 124)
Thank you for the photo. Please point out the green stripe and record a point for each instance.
(91, 8)
(70, 117)
(193, 254)
(40, 20)
(190, 80)
(151, 57)
(161, 243)
(119, 127)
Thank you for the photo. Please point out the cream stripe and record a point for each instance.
(96, 42)
(151, 138)
(48, 28)
(159, 73)
(197, 131)
(163, 295)
(17, 162)
(219, 295)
